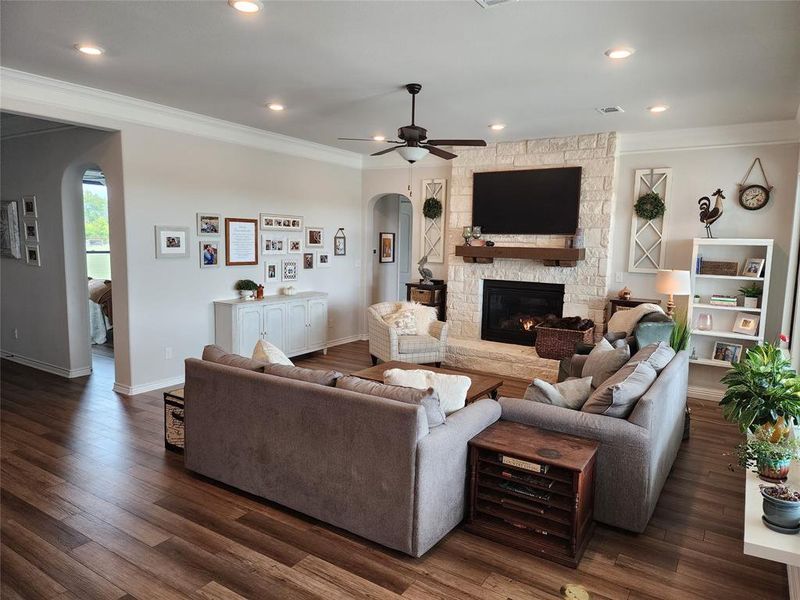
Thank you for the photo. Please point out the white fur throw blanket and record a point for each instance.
(626, 320)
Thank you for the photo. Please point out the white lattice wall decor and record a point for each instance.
(433, 230)
(647, 236)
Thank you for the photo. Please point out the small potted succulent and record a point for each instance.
(770, 459)
(246, 288)
(751, 295)
(781, 507)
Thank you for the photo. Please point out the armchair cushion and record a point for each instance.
(416, 344)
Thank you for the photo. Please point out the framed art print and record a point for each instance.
(273, 244)
(308, 260)
(209, 254)
(241, 242)
(727, 352)
(208, 224)
(270, 222)
(386, 247)
(315, 237)
(340, 243)
(323, 260)
(294, 244)
(32, 256)
(746, 323)
(31, 232)
(29, 207)
(752, 267)
(271, 271)
(172, 242)
(289, 269)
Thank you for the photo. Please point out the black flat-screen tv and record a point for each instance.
(536, 201)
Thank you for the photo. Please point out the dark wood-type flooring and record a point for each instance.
(93, 507)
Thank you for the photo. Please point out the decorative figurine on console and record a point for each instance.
(425, 273)
(710, 215)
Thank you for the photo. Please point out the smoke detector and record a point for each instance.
(607, 110)
(491, 3)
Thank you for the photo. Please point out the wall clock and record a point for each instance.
(753, 196)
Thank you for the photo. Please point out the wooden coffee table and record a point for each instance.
(482, 385)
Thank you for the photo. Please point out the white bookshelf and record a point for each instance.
(723, 317)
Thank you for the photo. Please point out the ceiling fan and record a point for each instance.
(414, 144)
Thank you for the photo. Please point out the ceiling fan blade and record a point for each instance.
(370, 140)
(457, 142)
(439, 152)
(386, 151)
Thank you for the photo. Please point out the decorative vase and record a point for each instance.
(466, 233)
(782, 513)
(750, 302)
(260, 292)
(704, 322)
(624, 293)
(774, 471)
(246, 294)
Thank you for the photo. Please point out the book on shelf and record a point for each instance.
(721, 300)
(523, 464)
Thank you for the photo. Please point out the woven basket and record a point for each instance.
(556, 344)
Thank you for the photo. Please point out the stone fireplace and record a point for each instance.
(512, 309)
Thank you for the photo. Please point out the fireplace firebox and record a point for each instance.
(513, 309)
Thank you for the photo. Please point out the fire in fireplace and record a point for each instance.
(513, 309)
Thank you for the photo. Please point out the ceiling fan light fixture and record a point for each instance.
(246, 6)
(412, 153)
(275, 106)
(89, 49)
(658, 108)
(619, 53)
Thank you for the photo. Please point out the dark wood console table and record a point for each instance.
(434, 294)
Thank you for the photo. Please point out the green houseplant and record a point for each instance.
(246, 288)
(751, 295)
(771, 459)
(679, 338)
(763, 389)
(781, 506)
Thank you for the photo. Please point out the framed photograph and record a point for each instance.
(273, 244)
(209, 224)
(29, 207)
(270, 222)
(386, 247)
(308, 260)
(323, 260)
(31, 232)
(32, 256)
(9, 230)
(241, 242)
(746, 323)
(294, 244)
(271, 271)
(752, 267)
(172, 242)
(315, 237)
(339, 243)
(209, 254)
(727, 352)
(289, 269)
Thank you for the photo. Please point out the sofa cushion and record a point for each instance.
(619, 394)
(428, 398)
(452, 389)
(215, 354)
(657, 354)
(302, 374)
(571, 393)
(603, 361)
(404, 321)
(266, 352)
(417, 344)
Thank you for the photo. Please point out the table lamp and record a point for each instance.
(673, 283)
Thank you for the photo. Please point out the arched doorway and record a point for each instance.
(391, 242)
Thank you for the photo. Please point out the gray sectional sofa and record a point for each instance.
(366, 464)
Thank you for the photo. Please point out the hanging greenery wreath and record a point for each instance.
(649, 206)
(432, 208)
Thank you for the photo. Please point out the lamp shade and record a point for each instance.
(677, 283)
(412, 153)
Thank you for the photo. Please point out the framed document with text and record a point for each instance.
(241, 242)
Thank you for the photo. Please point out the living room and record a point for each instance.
(233, 175)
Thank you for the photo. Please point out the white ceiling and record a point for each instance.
(339, 66)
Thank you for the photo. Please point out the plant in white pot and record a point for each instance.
(246, 288)
(751, 295)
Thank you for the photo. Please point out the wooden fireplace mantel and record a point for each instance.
(552, 257)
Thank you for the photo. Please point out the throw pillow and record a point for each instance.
(302, 374)
(428, 398)
(404, 321)
(424, 316)
(452, 389)
(270, 353)
(619, 394)
(657, 354)
(603, 361)
(571, 393)
(215, 354)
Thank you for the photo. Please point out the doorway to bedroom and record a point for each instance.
(98, 266)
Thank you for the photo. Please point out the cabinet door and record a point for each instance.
(274, 324)
(318, 323)
(249, 329)
(296, 327)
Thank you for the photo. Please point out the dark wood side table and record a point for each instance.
(430, 295)
(532, 489)
(615, 304)
(174, 403)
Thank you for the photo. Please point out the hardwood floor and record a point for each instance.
(93, 507)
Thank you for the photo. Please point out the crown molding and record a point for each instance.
(44, 97)
(699, 138)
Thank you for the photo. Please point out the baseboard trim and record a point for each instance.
(47, 367)
(133, 390)
(345, 340)
(704, 393)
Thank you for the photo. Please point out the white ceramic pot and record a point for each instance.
(750, 302)
(246, 294)
(289, 290)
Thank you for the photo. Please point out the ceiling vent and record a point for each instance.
(607, 110)
(491, 3)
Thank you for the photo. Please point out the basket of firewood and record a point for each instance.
(557, 338)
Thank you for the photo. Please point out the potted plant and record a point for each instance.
(751, 295)
(763, 389)
(781, 507)
(246, 288)
(770, 459)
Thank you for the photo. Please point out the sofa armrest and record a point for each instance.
(438, 329)
(442, 472)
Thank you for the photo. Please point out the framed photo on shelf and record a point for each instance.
(386, 251)
(209, 254)
(270, 222)
(241, 242)
(323, 260)
(31, 232)
(727, 352)
(340, 243)
(29, 207)
(209, 224)
(32, 256)
(273, 244)
(752, 267)
(289, 269)
(271, 271)
(746, 323)
(308, 260)
(294, 244)
(172, 242)
(315, 237)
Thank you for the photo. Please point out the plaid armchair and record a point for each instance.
(385, 344)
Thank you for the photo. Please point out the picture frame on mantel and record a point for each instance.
(241, 242)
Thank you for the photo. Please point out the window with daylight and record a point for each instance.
(95, 218)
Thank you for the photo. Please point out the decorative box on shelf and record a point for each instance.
(174, 404)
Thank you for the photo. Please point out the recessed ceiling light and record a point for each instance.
(275, 106)
(619, 53)
(379, 138)
(246, 6)
(658, 108)
(89, 49)
(497, 126)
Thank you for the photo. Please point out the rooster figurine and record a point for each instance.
(710, 215)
